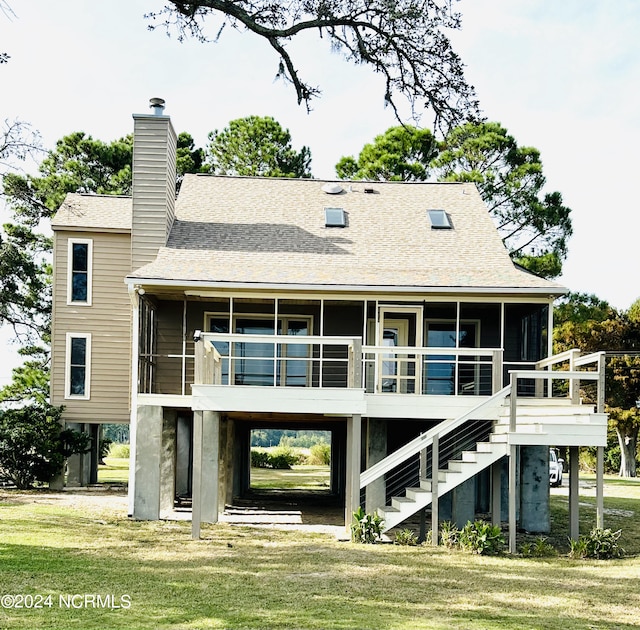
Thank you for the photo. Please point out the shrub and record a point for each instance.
(282, 458)
(482, 538)
(320, 455)
(120, 451)
(259, 459)
(366, 528)
(540, 548)
(33, 445)
(449, 535)
(601, 544)
(406, 537)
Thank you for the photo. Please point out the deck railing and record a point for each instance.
(314, 361)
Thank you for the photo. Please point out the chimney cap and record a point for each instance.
(157, 104)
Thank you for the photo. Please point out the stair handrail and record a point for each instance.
(426, 439)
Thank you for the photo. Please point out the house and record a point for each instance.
(387, 313)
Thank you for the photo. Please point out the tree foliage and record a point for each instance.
(401, 153)
(588, 323)
(535, 226)
(406, 41)
(256, 146)
(32, 446)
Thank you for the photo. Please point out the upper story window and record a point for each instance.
(79, 272)
(77, 365)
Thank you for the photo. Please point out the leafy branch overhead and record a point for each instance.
(405, 41)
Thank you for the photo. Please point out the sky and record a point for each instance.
(563, 77)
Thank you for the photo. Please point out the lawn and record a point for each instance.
(240, 577)
(298, 478)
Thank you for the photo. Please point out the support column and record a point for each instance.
(79, 464)
(464, 503)
(534, 489)
(496, 493)
(210, 466)
(574, 481)
(513, 450)
(183, 457)
(354, 436)
(376, 450)
(196, 482)
(148, 449)
(167, 479)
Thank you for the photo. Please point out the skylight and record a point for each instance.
(439, 220)
(335, 217)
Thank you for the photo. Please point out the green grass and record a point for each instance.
(298, 478)
(239, 577)
(114, 470)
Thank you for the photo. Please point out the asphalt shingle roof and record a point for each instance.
(243, 230)
(272, 231)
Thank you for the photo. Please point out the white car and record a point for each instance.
(555, 469)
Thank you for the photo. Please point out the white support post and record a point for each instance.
(435, 468)
(196, 484)
(496, 375)
(600, 487)
(513, 450)
(574, 513)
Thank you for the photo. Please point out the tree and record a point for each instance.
(534, 226)
(405, 41)
(256, 146)
(32, 446)
(401, 153)
(596, 326)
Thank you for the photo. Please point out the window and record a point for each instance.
(79, 272)
(78, 365)
(440, 220)
(335, 217)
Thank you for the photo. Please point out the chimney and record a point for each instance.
(154, 183)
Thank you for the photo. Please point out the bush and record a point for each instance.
(406, 537)
(482, 538)
(366, 528)
(449, 535)
(281, 458)
(120, 451)
(33, 445)
(601, 544)
(538, 549)
(320, 455)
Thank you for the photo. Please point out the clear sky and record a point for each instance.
(561, 76)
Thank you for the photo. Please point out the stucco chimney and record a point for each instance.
(154, 183)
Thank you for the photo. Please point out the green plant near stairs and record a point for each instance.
(482, 538)
(366, 528)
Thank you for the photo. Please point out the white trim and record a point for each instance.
(87, 367)
(210, 288)
(70, 243)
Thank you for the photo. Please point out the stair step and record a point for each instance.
(417, 494)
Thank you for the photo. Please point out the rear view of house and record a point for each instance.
(387, 313)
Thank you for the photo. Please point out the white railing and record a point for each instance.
(488, 409)
(437, 371)
(278, 360)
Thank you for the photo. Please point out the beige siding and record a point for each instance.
(108, 320)
(154, 180)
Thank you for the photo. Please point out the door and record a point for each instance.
(399, 327)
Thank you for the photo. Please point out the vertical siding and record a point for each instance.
(154, 181)
(108, 320)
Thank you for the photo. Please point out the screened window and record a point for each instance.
(77, 366)
(79, 280)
